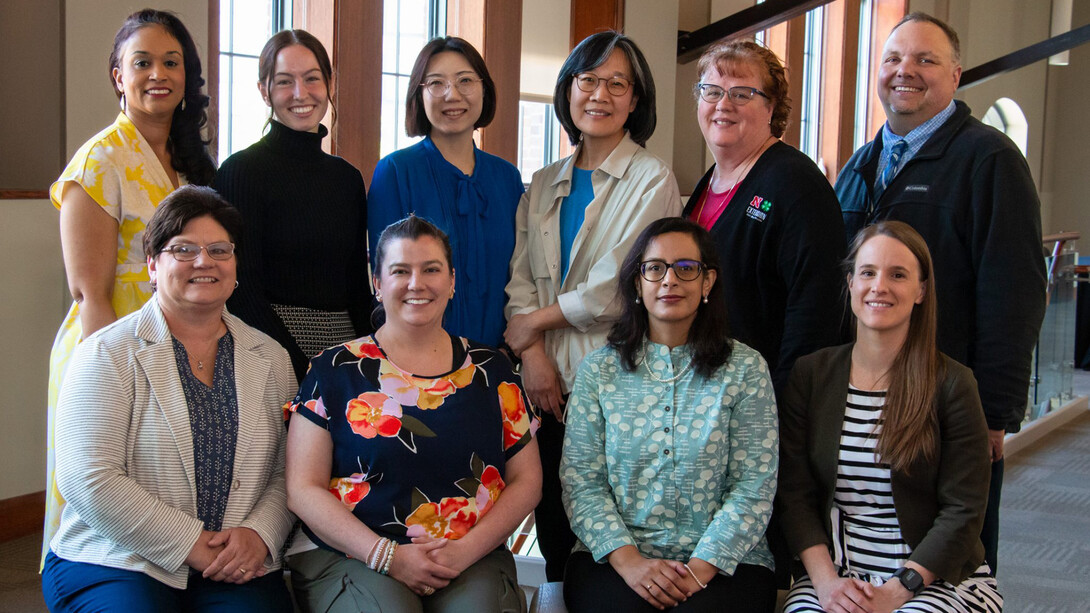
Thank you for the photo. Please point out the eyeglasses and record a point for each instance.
(615, 85)
(440, 87)
(686, 270)
(738, 95)
(187, 252)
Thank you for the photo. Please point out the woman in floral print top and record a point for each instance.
(671, 450)
(433, 461)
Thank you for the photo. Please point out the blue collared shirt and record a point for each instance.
(914, 139)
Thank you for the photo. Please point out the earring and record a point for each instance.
(705, 299)
(378, 296)
(121, 102)
(236, 287)
(183, 104)
(637, 299)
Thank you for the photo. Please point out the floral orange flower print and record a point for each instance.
(350, 490)
(453, 516)
(516, 420)
(423, 393)
(374, 414)
(364, 348)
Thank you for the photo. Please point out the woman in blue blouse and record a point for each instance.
(411, 455)
(471, 195)
(671, 449)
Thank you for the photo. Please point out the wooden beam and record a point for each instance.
(593, 16)
(794, 60)
(743, 23)
(494, 27)
(212, 84)
(1025, 56)
(23, 194)
(357, 58)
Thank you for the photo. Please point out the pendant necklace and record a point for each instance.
(680, 373)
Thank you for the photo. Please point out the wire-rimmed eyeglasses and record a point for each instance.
(686, 270)
(615, 85)
(438, 88)
(187, 252)
(739, 95)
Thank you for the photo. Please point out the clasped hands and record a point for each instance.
(662, 583)
(233, 555)
(848, 595)
(428, 564)
(540, 379)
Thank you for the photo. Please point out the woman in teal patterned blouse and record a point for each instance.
(671, 450)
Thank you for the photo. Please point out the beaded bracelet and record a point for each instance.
(371, 553)
(698, 581)
(383, 548)
(389, 558)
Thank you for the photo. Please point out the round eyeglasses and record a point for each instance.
(441, 87)
(615, 85)
(187, 252)
(739, 95)
(686, 270)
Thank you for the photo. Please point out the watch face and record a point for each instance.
(911, 579)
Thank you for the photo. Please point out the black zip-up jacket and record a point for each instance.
(780, 243)
(970, 194)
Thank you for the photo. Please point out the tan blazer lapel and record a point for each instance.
(251, 377)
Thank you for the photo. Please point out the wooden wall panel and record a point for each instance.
(593, 16)
(494, 27)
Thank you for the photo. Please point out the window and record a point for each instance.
(406, 26)
(862, 75)
(539, 137)
(810, 106)
(245, 25)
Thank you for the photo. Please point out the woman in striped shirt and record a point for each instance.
(884, 452)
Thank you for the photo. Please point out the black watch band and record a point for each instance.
(912, 580)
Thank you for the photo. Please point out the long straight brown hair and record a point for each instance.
(909, 420)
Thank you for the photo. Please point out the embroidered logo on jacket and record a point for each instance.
(759, 208)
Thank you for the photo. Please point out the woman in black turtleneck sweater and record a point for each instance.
(303, 270)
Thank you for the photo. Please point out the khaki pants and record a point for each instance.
(325, 582)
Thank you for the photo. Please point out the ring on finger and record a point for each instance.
(648, 587)
(243, 570)
(428, 590)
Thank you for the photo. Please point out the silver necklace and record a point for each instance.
(680, 373)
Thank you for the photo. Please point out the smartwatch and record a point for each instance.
(909, 578)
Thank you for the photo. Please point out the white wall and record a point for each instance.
(37, 296)
(546, 31)
(653, 25)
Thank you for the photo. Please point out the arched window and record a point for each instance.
(1007, 117)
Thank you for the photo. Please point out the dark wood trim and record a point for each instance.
(593, 16)
(22, 515)
(1025, 56)
(357, 61)
(23, 194)
(494, 27)
(743, 23)
(794, 61)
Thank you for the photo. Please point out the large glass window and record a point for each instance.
(244, 25)
(810, 115)
(539, 137)
(406, 26)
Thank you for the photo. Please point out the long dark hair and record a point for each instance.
(592, 53)
(416, 120)
(709, 336)
(266, 63)
(188, 150)
(909, 420)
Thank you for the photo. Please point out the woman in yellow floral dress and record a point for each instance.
(114, 182)
(411, 455)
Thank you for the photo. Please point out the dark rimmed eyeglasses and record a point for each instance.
(187, 252)
(739, 95)
(615, 85)
(441, 87)
(686, 270)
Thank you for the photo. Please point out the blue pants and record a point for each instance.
(90, 588)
